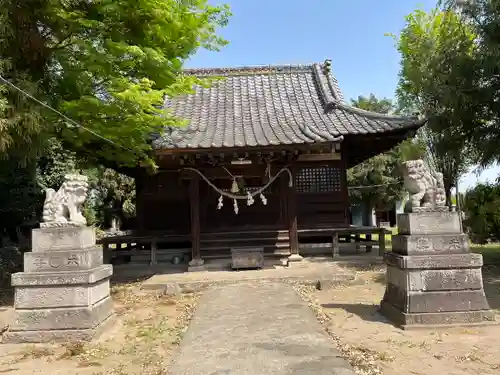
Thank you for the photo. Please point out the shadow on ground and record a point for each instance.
(366, 311)
(376, 266)
(491, 281)
(123, 279)
(369, 312)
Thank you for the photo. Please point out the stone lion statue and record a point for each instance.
(425, 187)
(64, 207)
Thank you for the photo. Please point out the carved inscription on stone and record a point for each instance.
(454, 244)
(39, 262)
(424, 244)
(55, 262)
(73, 261)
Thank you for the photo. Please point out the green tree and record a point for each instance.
(54, 164)
(20, 198)
(107, 64)
(377, 182)
(482, 209)
(372, 103)
(483, 18)
(23, 184)
(22, 61)
(113, 198)
(437, 51)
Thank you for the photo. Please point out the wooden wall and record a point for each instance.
(322, 199)
(163, 203)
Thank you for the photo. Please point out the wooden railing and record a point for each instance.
(147, 246)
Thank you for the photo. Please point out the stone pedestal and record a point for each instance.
(247, 257)
(64, 292)
(432, 278)
(196, 265)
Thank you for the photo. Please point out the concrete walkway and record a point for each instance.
(256, 328)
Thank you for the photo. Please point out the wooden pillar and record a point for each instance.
(292, 219)
(357, 240)
(335, 245)
(369, 243)
(139, 206)
(196, 262)
(343, 186)
(381, 242)
(153, 260)
(107, 253)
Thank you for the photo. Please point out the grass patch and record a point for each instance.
(490, 253)
(34, 352)
(73, 349)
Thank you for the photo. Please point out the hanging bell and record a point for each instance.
(234, 187)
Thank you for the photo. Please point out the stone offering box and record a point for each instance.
(432, 278)
(63, 293)
(247, 257)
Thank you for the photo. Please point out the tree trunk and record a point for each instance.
(447, 191)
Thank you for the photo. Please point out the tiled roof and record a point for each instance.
(273, 105)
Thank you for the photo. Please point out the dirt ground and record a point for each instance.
(374, 346)
(148, 327)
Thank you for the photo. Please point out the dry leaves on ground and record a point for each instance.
(374, 346)
(361, 359)
(149, 326)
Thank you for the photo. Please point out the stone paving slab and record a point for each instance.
(256, 328)
(306, 272)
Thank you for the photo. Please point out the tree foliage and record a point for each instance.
(482, 96)
(377, 182)
(23, 185)
(482, 209)
(112, 202)
(107, 64)
(54, 164)
(437, 50)
(20, 197)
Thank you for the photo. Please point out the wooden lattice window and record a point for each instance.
(318, 180)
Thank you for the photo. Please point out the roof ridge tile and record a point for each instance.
(246, 70)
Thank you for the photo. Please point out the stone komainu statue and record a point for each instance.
(426, 188)
(64, 207)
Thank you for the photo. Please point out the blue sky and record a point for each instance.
(351, 33)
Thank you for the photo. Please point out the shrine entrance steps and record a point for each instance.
(256, 328)
(218, 245)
